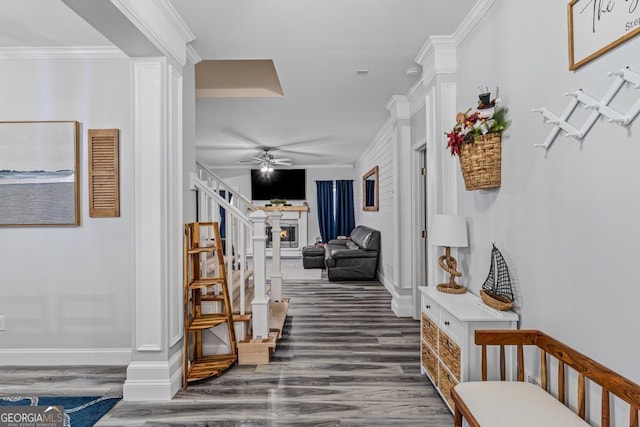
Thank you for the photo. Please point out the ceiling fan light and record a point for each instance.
(264, 168)
(270, 169)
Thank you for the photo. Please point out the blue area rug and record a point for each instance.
(78, 411)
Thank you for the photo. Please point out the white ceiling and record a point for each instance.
(44, 23)
(328, 114)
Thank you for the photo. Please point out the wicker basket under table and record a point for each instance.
(480, 162)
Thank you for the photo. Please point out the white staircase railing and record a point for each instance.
(244, 229)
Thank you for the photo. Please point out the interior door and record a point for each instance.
(423, 219)
(422, 248)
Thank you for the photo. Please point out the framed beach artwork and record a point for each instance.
(39, 165)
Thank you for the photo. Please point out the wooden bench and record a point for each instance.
(519, 403)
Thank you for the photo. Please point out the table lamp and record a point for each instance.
(448, 231)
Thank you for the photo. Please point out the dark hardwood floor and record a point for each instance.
(344, 360)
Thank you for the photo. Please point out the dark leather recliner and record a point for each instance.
(354, 259)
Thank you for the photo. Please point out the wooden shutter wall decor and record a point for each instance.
(104, 181)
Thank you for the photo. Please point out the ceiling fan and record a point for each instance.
(267, 161)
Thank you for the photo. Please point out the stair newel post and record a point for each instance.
(260, 302)
(276, 273)
(242, 256)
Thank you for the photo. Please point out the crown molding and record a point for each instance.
(161, 24)
(133, 14)
(434, 44)
(471, 20)
(192, 55)
(176, 21)
(438, 54)
(57, 52)
(399, 107)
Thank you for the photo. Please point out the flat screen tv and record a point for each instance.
(287, 184)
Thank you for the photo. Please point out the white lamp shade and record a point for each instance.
(448, 230)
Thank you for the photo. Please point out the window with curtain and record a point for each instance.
(326, 219)
(345, 217)
(335, 209)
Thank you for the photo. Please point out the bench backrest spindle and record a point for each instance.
(581, 407)
(502, 364)
(604, 422)
(484, 363)
(543, 370)
(561, 392)
(520, 362)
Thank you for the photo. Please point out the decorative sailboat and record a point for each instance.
(496, 291)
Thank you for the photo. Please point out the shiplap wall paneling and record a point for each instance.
(379, 154)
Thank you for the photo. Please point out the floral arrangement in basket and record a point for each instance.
(490, 117)
(476, 139)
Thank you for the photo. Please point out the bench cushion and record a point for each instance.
(511, 403)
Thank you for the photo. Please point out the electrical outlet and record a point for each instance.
(1, 323)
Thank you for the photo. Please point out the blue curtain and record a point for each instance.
(345, 218)
(223, 216)
(326, 220)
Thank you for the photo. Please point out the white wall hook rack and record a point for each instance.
(599, 107)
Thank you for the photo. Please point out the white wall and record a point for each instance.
(189, 139)
(566, 219)
(70, 287)
(379, 153)
(241, 178)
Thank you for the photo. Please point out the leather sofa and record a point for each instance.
(355, 258)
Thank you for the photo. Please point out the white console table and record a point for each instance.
(448, 323)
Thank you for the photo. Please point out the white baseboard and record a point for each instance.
(158, 381)
(65, 356)
(401, 303)
(388, 284)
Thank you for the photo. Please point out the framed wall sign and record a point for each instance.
(597, 26)
(39, 168)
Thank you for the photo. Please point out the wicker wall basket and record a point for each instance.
(480, 162)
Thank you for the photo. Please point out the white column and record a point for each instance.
(260, 303)
(155, 371)
(400, 111)
(303, 230)
(276, 270)
(439, 65)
